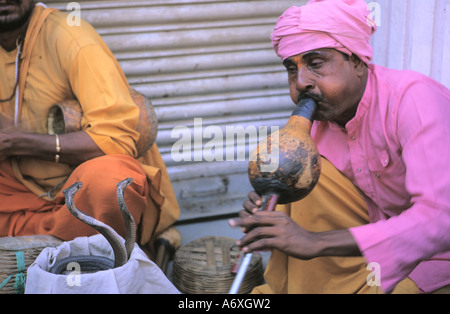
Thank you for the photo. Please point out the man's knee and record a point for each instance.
(98, 197)
(112, 164)
(110, 168)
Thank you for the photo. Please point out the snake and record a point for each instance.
(129, 220)
(121, 251)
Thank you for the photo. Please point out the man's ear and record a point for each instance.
(359, 65)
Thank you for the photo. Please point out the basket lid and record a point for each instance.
(28, 242)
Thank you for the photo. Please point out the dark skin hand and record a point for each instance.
(337, 84)
(275, 230)
(76, 147)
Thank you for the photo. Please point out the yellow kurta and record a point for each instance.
(74, 62)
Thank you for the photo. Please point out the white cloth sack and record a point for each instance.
(138, 275)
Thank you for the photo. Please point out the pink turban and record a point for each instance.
(344, 25)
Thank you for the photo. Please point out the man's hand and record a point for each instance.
(76, 147)
(276, 230)
(7, 134)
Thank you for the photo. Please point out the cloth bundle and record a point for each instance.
(138, 275)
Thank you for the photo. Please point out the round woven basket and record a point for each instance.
(16, 255)
(205, 266)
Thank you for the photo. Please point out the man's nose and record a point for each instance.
(304, 81)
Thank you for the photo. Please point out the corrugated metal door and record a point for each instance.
(209, 69)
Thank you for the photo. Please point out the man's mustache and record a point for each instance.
(314, 96)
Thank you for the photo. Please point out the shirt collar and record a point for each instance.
(365, 102)
(9, 57)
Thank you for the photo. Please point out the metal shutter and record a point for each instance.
(200, 59)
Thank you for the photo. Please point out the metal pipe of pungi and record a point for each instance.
(270, 203)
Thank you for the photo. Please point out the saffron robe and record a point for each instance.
(69, 62)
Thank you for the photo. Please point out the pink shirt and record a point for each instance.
(397, 151)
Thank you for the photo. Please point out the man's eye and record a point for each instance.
(316, 64)
(291, 70)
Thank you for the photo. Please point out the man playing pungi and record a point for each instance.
(379, 218)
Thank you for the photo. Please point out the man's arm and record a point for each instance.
(75, 148)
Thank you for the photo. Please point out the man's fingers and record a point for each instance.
(255, 198)
(250, 207)
(262, 230)
(251, 221)
(253, 204)
(261, 238)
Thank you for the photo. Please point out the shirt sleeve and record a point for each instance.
(110, 116)
(399, 244)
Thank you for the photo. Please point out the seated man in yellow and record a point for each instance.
(44, 61)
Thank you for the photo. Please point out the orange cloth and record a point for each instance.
(74, 62)
(22, 213)
(334, 204)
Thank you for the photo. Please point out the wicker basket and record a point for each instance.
(16, 255)
(204, 266)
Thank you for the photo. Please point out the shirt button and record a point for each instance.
(353, 138)
(377, 175)
(358, 170)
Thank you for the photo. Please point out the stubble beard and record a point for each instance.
(10, 21)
